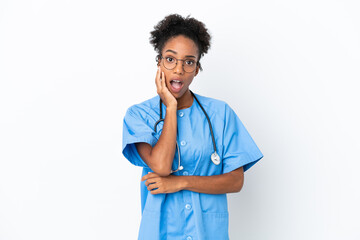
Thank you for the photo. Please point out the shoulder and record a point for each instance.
(218, 109)
(144, 109)
(217, 106)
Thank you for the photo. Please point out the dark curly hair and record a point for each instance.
(174, 25)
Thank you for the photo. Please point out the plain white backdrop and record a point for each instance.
(70, 69)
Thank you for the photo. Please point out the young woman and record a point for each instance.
(193, 149)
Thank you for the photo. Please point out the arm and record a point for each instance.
(217, 184)
(160, 157)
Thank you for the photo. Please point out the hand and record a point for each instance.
(164, 93)
(168, 184)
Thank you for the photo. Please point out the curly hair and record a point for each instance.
(174, 25)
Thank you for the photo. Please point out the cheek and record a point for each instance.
(189, 81)
(162, 70)
(167, 75)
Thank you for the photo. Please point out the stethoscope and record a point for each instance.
(215, 158)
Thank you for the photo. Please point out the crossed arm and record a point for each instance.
(159, 158)
(216, 184)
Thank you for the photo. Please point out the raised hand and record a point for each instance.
(164, 93)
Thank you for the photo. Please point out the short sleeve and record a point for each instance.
(136, 129)
(239, 149)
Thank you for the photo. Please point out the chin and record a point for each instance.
(177, 95)
(181, 93)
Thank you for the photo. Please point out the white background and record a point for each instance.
(70, 69)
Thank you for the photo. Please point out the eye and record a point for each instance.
(190, 62)
(169, 59)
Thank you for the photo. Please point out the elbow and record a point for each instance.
(162, 171)
(239, 184)
(159, 168)
(160, 165)
(238, 179)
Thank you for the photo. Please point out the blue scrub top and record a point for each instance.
(185, 214)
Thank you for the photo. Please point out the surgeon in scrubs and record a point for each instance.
(199, 150)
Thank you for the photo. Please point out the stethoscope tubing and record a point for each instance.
(177, 145)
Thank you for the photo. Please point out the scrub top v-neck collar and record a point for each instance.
(180, 112)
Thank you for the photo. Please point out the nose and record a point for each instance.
(179, 67)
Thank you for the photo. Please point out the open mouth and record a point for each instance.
(176, 85)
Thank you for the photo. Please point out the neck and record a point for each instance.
(185, 101)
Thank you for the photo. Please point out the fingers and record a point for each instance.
(151, 181)
(160, 82)
(149, 175)
(157, 191)
(157, 80)
(162, 89)
(163, 82)
(152, 186)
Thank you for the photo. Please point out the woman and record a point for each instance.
(185, 198)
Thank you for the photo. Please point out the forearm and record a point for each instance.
(162, 154)
(217, 184)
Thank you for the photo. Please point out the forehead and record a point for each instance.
(181, 45)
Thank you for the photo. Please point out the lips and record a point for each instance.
(176, 85)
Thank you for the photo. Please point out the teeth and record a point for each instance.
(176, 81)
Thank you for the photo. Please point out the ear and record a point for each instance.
(157, 60)
(197, 70)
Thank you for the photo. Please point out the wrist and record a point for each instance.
(185, 182)
(171, 107)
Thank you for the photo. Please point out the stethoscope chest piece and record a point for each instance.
(215, 158)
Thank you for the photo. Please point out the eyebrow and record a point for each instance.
(169, 50)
